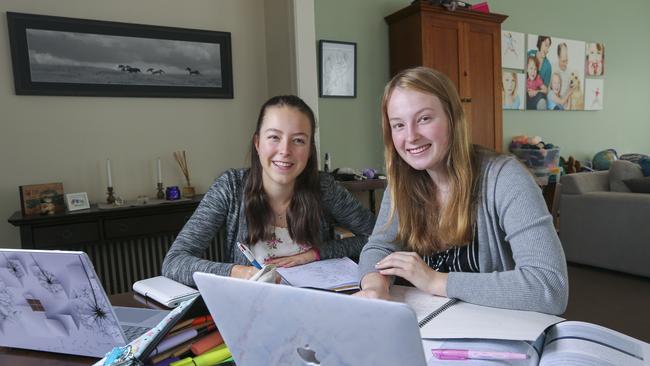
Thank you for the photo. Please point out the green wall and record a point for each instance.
(350, 128)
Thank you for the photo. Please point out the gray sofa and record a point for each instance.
(605, 228)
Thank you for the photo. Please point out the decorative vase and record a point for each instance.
(188, 192)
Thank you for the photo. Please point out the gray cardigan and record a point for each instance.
(521, 261)
(223, 205)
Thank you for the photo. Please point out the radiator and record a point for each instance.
(120, 263)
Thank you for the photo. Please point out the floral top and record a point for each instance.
(280, 246)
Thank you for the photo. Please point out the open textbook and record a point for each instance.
(563, 344)
(547, 340)
(340, 274)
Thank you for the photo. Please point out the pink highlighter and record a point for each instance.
(464, 354)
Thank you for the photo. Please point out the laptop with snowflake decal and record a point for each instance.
(53, 301)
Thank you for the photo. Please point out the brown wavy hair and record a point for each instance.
(304, 212)
(426, 226)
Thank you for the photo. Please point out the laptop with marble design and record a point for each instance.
(268, 324)
(53, 301)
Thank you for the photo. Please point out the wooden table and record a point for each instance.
(15, 356)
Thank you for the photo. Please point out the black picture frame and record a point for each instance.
(337, 69)
(81, 57)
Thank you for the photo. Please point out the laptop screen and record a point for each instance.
(52, 301)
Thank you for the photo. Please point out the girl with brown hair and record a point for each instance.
(281, 207)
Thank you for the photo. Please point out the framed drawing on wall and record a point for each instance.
(80, 57)
(337, 69)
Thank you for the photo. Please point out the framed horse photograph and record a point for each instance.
(81, 57)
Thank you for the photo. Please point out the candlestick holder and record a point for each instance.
(111, 198)
(160, 195)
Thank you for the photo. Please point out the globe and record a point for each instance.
(603, 159)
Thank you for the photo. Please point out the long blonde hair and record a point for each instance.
(425, 226)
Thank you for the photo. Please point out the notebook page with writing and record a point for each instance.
(326, 274)
(464, 320)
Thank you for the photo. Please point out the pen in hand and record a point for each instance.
(249, 255)
(464, 354)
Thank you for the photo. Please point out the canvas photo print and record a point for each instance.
(595, 59)
(554, 73)
(594, 94)
(513, 89)
(513, 50)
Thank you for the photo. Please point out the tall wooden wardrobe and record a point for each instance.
(466, 46)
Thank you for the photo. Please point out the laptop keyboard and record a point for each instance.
(132, 332)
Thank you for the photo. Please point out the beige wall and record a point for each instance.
(67, 139)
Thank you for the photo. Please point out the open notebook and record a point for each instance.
(340, 274)
(449, 318)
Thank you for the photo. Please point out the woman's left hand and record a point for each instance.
(294, 260)
(411, 267)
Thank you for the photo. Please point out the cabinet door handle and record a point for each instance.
(466, 100)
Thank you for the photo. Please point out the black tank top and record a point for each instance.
(456, 259)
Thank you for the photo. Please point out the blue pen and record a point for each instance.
(249, 255)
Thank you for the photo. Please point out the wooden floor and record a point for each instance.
(611, 299)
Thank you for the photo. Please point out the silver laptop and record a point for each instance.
(53, 301)
(267, 324)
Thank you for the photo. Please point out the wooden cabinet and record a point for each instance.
(466, 46)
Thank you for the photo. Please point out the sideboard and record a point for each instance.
(125, 244)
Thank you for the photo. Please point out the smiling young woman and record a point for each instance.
(457, 220)
(282, 207)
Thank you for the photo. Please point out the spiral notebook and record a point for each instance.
(441, 317)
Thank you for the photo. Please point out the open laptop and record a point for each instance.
(53, 301)
(267, 324)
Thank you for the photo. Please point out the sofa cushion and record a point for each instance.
(645, 166)
(638, 185)
(621, 170)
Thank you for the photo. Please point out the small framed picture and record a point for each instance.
(77, 201)
(41, 199)
(337, 69)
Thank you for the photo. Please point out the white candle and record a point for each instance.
(159, 172)
(108, 172)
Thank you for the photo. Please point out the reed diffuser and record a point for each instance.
(181, 159)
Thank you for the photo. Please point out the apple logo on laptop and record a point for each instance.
(308, 355)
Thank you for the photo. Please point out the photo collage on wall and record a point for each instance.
(549, 73)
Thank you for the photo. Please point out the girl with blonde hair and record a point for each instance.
(457, 220)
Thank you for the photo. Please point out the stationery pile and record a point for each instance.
(176, 341)
(194, 341)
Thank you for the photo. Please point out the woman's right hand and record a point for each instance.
(243, 272)
(374, 286)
